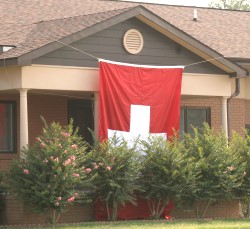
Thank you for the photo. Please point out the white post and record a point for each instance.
(24, 133)
(96, 112)
(224, 115)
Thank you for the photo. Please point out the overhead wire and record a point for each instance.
(97, 58)
(86, 53)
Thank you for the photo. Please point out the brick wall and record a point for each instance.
(54, 108)
(247, 112)
(239, 111)
(219, 209)
(239, 114)
(17, 213)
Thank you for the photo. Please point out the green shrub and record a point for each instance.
(165, 175)
(218, 168)
(240, 147)
(114, 169)
(53, 168)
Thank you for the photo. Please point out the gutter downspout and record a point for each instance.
(236, 93)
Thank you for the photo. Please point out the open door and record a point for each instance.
(82, 112)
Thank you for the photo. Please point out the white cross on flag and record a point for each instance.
(138, 100)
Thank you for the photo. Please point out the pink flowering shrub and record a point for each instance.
(114, 169)
(52, 170)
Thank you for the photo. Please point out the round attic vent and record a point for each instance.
(133, 41)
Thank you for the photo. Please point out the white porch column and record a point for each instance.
(224, 115)
(24, 133)
(96, 112)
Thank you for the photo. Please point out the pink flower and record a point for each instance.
(45, 161)
(42, 145)
(74, 146)
(245, 173)
(67, 162)
(88, 170)
(65, 134)
(65, 151)
(108, 168)
(52, 158)
(76, 175)
(57, 159)
(26, 171)
(101, 164)
(60, 145)
(96, 167)
(38, 139)
(71, 199)
(59, 198)
(57, 203)
(72, 157)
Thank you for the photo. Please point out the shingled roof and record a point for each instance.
(31, 24)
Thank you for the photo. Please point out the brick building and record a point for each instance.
(44, 69)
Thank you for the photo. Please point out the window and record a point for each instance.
(7, 127)
(193, 116)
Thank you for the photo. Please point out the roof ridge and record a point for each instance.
(82, 15)
(164, 4)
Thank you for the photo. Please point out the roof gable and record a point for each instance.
(108, 44)
(90, 24)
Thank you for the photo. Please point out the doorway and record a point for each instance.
(82, 112)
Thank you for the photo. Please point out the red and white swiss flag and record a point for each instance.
(138, 99)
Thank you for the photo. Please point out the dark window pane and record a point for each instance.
(182, 122)
(196, 118)
(6, 127)
(193, 117)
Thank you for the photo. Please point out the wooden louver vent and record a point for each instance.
(133, 41)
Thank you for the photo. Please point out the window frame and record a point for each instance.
(14, 127)
(186, 108)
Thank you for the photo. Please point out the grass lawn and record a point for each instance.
(178, 224)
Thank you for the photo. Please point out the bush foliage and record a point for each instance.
(240, 146)
(218, 170)
(201, 166)
(51, 170)
(164, 173)
(114, 169)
